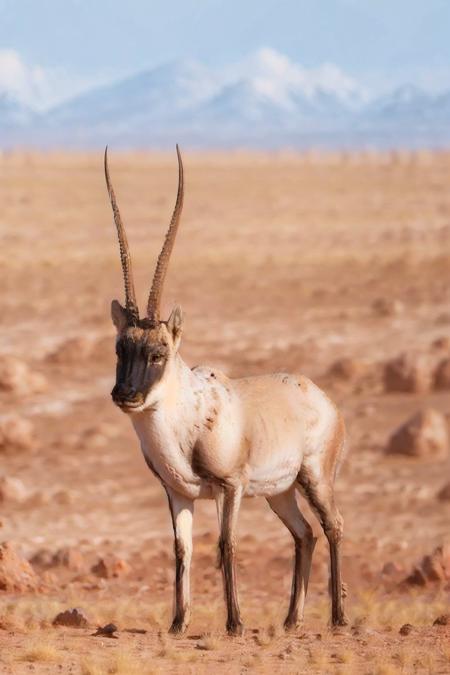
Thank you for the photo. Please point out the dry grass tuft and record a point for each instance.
(40, 651)
(209, 642)
(122, 662)
(386, 611)
(125, 663)
(319, 659)
(385, 668)
(92, 667)
(346, 656)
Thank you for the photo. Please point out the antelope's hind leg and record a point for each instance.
(228, 509)
(286, 507)
(319, 494)
(182, 510)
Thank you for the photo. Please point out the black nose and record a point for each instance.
(122, 393)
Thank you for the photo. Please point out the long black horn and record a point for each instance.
(130, 295)
(154, 299)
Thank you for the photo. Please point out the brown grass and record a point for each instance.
(40, 651)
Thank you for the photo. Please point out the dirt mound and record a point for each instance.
(409, 373)
(423, 435)
(433, 568)
(348, 369)
(16, 433)
(16, 377)
(110, 567)
(73, 618)
(68, 557)
(70, 351)
(442, 375)
(444, 493)
(16, 573)
(387, 307)
(12, 490)
(441, 344)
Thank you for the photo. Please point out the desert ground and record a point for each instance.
(329, 265)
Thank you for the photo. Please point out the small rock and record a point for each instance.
(16, 377)
(424, 435)
(74, 618)
(406, 629)
(111, 566)
(408, 373)
(392, 569)
(416, 578)
(16, 434)
(444, 493)
(16, 573)
(443, 620)
(387, 307)
(442, 375)
(107, 631)
(12, 490)
(441, 343)
(64, 497)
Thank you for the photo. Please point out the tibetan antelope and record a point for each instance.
(206, 436)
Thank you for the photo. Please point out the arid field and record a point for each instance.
(336, 266)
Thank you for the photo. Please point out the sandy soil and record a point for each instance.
(278, 264)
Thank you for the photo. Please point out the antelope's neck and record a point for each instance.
(168, 432)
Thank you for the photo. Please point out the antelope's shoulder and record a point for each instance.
(212, 375)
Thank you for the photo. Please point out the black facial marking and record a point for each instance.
(141, 360)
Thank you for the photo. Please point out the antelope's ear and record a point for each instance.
(175, 325)
(118, 315)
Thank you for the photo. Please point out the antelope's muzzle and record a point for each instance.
(126, 397)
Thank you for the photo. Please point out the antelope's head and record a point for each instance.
(146, 348)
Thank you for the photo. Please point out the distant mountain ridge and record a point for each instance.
(266, 101)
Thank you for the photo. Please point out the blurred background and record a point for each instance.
(298, 74)
(315, 239)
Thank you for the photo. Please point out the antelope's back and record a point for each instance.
(288, 420)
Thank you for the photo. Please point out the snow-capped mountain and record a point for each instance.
(266, 100)
(162, 93)
(407, 102)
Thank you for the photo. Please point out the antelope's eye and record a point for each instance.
(156, 357)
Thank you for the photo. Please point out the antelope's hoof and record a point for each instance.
(340, 621)
(291, 625)
(178, 627)
(235, 629)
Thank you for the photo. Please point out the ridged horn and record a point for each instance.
(130, 295)
(154, 299)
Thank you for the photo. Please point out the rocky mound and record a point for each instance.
(410, 373)
(17, 378)
(16, 433)
(424, 435)
(433, 568)
(16, 573)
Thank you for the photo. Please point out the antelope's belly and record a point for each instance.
(273, 477)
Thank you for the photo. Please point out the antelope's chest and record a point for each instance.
(163, 452)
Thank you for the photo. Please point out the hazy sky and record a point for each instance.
(381, 41)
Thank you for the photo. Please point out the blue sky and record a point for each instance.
(78, 42)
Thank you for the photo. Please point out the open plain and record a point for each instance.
(336, 266)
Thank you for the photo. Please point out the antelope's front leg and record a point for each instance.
(231, 502)
(182, 511)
